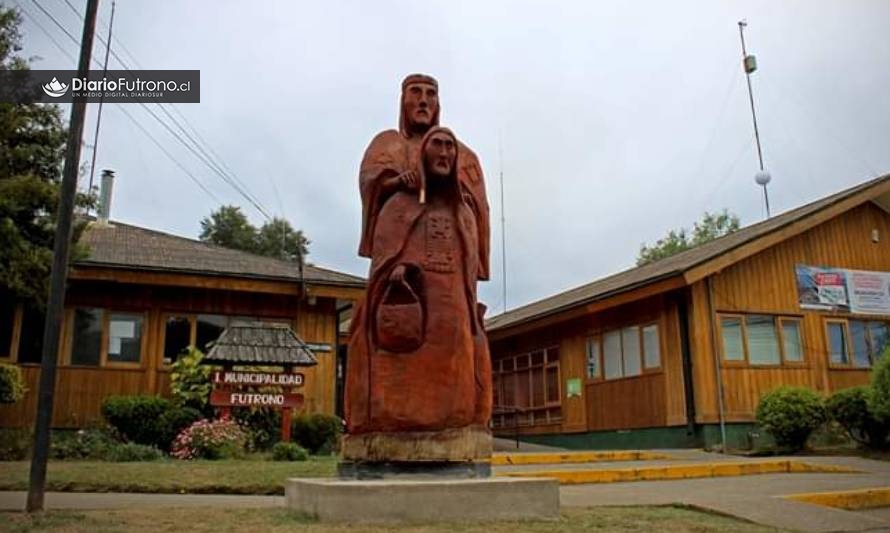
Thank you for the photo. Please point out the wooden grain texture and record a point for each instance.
(645, 401)
(766, 283)
(80, 391)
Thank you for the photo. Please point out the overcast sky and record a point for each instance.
(618, 120)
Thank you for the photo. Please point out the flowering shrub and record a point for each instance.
(210, 439)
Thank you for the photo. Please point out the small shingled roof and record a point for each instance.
(119, 245)
(260, 343)
(671, 266)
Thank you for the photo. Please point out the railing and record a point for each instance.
(508, 410)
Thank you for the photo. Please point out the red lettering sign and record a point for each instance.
(258, 379)
(228, 398)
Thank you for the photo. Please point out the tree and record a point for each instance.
(229, 227)
(710, 227)
(32, 150)
(278, 239)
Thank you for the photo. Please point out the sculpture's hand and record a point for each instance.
(398, 274)
(410, 180)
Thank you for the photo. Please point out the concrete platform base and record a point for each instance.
(337, 500)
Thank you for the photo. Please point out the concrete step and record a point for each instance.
(678, 471)
(548, 458)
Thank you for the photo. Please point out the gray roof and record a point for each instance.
(260, 343)
(673, 265)
(119, 245)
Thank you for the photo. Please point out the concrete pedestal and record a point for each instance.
(337, 500)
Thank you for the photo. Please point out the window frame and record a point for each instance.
(507, 374)
(847, 342)
(651, 369)
(778, 321)
(105, 362)
(780, 324)
(67, 341)
(844, 321)
(193, 333)
(11, 352)
(598, 341)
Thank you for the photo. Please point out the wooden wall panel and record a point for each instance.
(80, 390)
(627, 403)
(650, 399)
(766, 283)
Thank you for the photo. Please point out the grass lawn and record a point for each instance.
(273, 520)
(171, 476)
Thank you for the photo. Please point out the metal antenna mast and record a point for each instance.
(749, 62)
(503, 225)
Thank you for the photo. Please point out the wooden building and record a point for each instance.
(142, 296)
(661, 354)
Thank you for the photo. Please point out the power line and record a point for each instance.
(45, 32)
(215, 165)
(128, 115)
(206, 160)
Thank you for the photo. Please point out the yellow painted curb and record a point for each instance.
(548, 458)
(683, 471)
(847, 499)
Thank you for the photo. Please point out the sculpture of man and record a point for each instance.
(418, 385)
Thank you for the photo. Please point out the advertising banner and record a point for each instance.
(835, 289)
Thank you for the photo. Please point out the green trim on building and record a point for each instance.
(743, 436)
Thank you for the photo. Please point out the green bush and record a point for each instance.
(879, 399)
(263, 423)
(289, 451)
(190, 382)
(15, 444)
(12, 385)
(318, 433)
(790, 415)
(172, 422)
(850, 408)
(138, 418)
(131, 452)
(81, 444)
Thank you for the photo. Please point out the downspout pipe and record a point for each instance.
(686, 354)
(718, 374)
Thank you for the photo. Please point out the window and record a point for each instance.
(761, 340)
(7, 323)
(763, 343)
(859, 336)
(124, 338)
(86, 346)
(879, 332)
(527, 389)
(837, 343)
(177, 337)
(791, 342)
(593, 357)
(612, 355)
(630, 348)
(31, 337)
(857, 343)
(731, 331)
(651, 347)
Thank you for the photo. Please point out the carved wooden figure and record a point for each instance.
(418, 384)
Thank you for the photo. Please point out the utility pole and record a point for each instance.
(56, 304)
(101, 101)
(749, 62)
(503, 226)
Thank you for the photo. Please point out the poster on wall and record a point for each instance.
(869, 292)
(835, 289)
(822, 288)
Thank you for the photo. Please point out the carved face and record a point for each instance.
(439, 154)
(420, 103)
